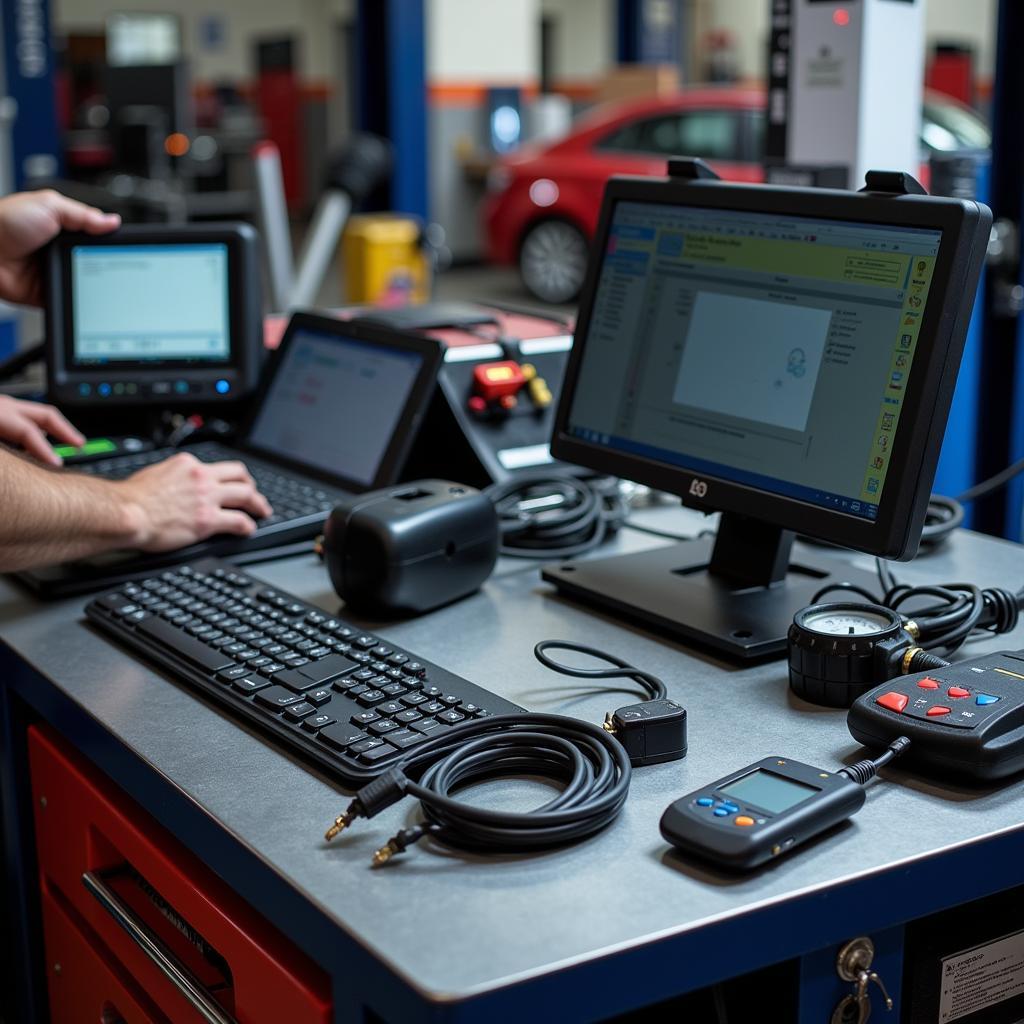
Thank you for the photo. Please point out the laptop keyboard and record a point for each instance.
(349, 700)
(290, 497)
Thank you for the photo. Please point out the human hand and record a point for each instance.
(181, 501)
(28, 220)
(28, 423)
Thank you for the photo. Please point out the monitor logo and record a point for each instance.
(698, 488)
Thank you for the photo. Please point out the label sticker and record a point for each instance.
(974, 979)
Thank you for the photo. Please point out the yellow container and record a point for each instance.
(383, 260)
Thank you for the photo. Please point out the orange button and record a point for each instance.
(928, 683)
(893, 701)
(743, 819)
(958, 691)
(938, 710)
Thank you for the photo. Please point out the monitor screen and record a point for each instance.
(770, 350)
(150, 304)
(334, 404)
(769, 791)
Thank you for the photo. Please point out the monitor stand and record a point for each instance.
(736, 592)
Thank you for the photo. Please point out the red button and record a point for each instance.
(928, 683)
(958, 691)
(938, 710)
(893, 701)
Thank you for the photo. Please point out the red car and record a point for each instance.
(544, 201)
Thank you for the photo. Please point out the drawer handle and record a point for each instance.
(176, 972)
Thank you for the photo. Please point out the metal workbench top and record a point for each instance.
(446, 927)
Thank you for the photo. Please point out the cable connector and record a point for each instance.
(864, 771)
(652, 732)
(373, 798)
(398, 843)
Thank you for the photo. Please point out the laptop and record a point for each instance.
(335, 413)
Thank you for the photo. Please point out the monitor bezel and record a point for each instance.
(409, 421)
(895, 532)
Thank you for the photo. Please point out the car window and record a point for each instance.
(947, 128)
(712, 134)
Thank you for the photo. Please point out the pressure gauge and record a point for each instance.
(840, 650)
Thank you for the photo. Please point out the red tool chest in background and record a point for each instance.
(136, 928)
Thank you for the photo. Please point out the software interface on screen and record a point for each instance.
(150, 303)
(765, 349)
(334, 404)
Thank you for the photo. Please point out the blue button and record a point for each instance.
(730, 807)
(181, 386)
(104, 389)
(84, 389)
(705, 801)
(985, 698)
(721, 812)
(222, 387)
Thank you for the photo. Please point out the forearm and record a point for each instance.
(49, 516)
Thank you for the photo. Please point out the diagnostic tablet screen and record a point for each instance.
(767, 349)
(334, 404)
(150, 303)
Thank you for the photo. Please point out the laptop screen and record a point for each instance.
(334, 403)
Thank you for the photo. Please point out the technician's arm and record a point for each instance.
(49, 516)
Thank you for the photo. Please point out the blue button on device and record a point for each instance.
(730, 807)
(721, 812)
(985, 698)
(104, 389)
(222, 387)
(705, 801)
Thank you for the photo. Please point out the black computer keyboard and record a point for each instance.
(351, 701)
(290, 497)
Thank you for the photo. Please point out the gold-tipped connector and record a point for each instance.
(912, 628)
(385, 853)
(609, 722)
(341, 823)
(908, 656)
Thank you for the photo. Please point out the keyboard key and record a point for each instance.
(186, 647)
(271, 669)
(394, 689)
(276, 697)
(408, 715)
(294, 680)
(363, 674)
(318, 697)
(389, 708)
(411, 700)
(383, 726)
(341, 737)
(405, 738)
(319, 652)
(432, 707)
(366, 642)
(228, 675)
(451, 717)
(327, 668)
(398, 659)
(250, 684)
(297, 712)
(365, 717)
(377, 754)
(427, 726)
(414, 668)
(315, 722)
(371, 697)
(450, 700)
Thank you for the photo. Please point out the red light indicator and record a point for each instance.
(841, 16)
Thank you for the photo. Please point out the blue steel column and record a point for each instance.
(28, 78)
(391, 98)
(645, 35)
(1001, 414)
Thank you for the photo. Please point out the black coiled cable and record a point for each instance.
(545, 514)
(655, 688)
(591, 766)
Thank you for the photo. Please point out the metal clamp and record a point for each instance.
(190, 987)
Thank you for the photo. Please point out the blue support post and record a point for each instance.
(391, 98)
(28, 78)
(649, 31)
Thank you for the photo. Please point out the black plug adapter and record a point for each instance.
(652, 732)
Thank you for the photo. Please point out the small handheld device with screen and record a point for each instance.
(760, 812)
(168, 314)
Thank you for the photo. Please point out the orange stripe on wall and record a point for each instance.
(470, 94)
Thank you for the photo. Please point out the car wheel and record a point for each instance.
(553, 260)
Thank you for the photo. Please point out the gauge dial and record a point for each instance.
(844, 622)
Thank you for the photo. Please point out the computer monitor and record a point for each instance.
(783, 356)
(154, 314)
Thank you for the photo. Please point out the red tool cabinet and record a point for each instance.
(136, 928)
